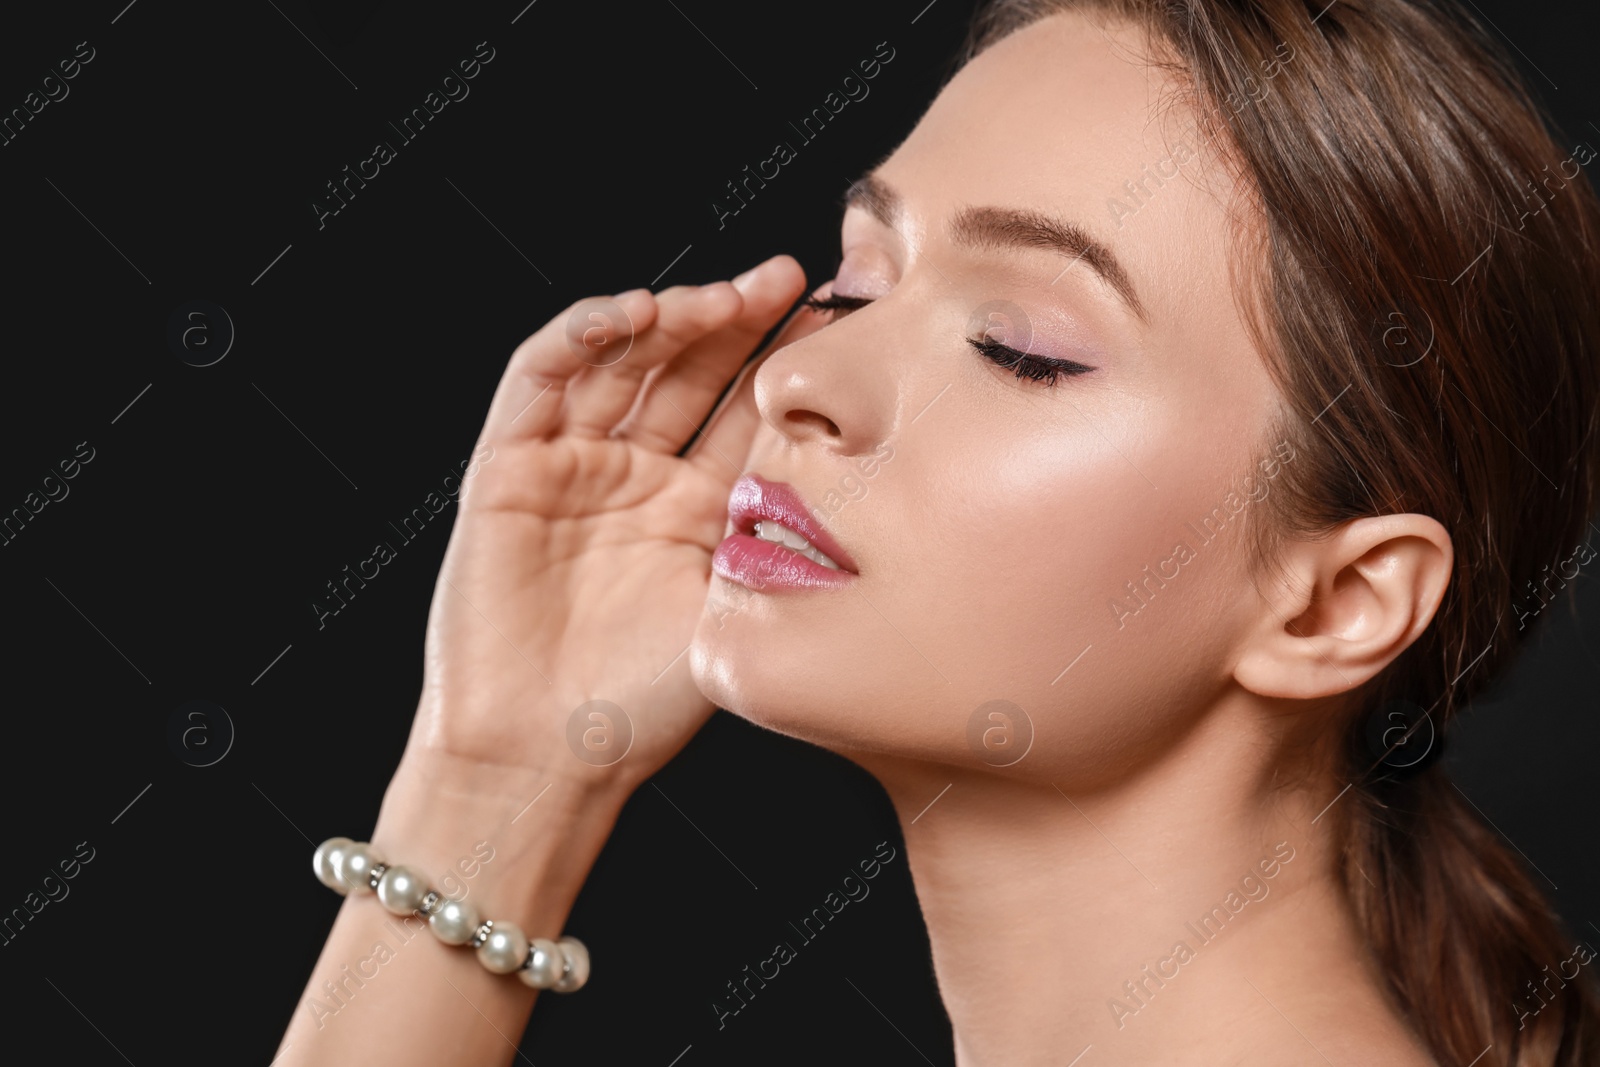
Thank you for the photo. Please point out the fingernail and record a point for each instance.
(630, 292)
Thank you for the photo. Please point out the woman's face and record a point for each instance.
(1050, 203)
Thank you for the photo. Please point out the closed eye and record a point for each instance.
(1023, 364)
(836, 304)
(1037, 368)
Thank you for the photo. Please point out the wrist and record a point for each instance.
(517, 844)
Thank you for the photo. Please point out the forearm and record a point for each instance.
(384, 988)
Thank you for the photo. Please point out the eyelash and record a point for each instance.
(1022, 364)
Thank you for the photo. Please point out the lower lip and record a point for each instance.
(762, 565)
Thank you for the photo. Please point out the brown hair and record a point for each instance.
(1429, 302)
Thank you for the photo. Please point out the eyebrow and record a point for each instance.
(996, 227)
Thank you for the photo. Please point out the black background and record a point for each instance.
(183, 563)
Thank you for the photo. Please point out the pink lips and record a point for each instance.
(744, 558)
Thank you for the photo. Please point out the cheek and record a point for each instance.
(1025, 585)
(1002, 556)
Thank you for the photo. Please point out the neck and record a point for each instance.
(1145, 919)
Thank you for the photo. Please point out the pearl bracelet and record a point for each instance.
(347, 866)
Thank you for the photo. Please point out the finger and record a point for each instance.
(529, 400)
(599, 398)
(724, 446)
(677, 400)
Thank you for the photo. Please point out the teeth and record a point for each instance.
(815, 556)
(778, 534)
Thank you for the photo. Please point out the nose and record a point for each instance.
(830, 388)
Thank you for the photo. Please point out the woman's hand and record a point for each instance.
(578, 566)
(577, 571)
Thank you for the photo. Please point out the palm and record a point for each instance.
(594, 590)
(579, 564)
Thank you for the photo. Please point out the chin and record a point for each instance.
(838, 696)
(744, 673)
(740, 667)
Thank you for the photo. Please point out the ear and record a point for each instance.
(1344, 607)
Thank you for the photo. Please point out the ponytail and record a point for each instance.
(1473, 955)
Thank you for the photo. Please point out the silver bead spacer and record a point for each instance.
(377, 874)
(481, 934)
(431, 902)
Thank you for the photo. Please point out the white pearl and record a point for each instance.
(401, 890)
(355, 866)
(545, 963)
(323, 862)
(505, 948)
(455, 922)
(578, 959)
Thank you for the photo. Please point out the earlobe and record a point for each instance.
(1343, 608)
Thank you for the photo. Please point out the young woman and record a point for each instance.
(1226, 374)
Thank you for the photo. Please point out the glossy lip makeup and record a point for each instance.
(771, 558)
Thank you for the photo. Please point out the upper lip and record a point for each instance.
(754, 499)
